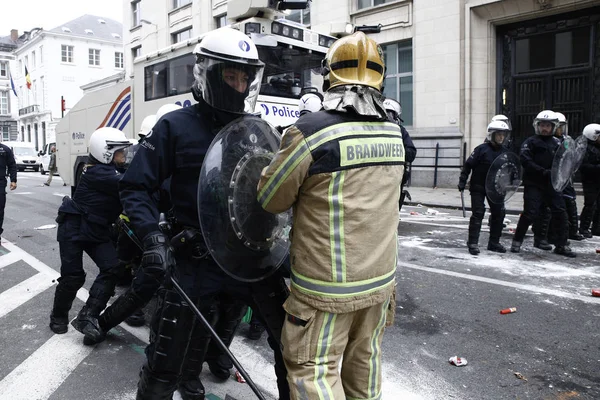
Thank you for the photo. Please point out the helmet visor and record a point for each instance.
(228, 86)
(499, 137)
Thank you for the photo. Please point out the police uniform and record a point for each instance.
(479, 163)
(83, 226)
(176, 148)
(590, 173)
(341, 174)
(7, 162)
(537, 155)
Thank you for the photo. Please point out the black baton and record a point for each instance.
(462, 200)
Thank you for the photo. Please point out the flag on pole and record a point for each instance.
(12, 85)
(27, 78)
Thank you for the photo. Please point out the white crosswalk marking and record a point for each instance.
(23, 292)
(35, 378)
(9, 259)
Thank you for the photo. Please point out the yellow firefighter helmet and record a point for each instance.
(354, 60)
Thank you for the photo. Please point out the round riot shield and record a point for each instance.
(503, 177)
(567, 160)
(246, 241)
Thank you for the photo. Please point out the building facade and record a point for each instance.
(59, 61)
(8, 100)
(452, 64)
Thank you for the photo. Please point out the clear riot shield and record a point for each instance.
(567, 160)
(246, 241)
(503, 177)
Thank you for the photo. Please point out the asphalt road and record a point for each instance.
(448, 305)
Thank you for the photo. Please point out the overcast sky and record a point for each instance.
(48, 14)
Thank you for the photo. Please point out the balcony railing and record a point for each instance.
(29, 110)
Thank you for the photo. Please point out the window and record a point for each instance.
(66, 53)
(181, 36)
(221, 20)
(3, 69)
(4, 103)
(136, 52)
(300, 16)
(41, 51)
(42, 91)
(94, 57)
(21, 67)
(22, 133)
(180, 3)
(135, 13)
(34, 90)
(36, 136)
(5, 133)
(169, 78)
(32, 59)
(553, 50)
(118, 59)
(29, 133)
(26, 63)
(371, 3)
(398, 58)
(43, 135)
(289, 70)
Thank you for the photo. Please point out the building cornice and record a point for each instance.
(38, 38)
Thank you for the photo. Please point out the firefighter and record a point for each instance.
(339, 169)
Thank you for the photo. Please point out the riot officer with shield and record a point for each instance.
(479, 163)
(537, 157)
(227, 76)
(590, 173)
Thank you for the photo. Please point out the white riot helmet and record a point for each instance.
(563, 126)
(147, 125)
(592, 132)
(104, 142)
(498, 133)
(546, 116)
(393, 109)
(503, 118)
(227, 73)
(310, 103)
(165, 109)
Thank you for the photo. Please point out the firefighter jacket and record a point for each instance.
(341, 173)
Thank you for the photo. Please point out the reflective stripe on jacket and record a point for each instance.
(342, 174)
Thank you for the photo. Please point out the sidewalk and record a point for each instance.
(450, 198)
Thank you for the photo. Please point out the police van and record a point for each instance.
(292, 55)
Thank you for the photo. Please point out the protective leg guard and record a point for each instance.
(87, 323)
(59, 317)
(154, 387)
(571, 206)
(117, 312)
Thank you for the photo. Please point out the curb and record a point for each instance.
(458, 208)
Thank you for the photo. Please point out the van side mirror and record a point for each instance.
(40, 153)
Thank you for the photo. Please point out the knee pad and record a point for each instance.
(72, 283)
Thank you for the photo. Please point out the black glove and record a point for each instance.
(461, 186)
(158, 260)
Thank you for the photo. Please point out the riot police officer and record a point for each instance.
(590, 171)
(394, 112)
(537, 155)
(227, 76)
(7, 162)
(84, 225)
(479, 163)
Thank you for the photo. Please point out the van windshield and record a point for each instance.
(24, 151)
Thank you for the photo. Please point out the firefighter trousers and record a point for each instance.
(316, 342)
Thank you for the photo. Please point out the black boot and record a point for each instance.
(473, 248)
(138, 318)
(192, 389)
(542, 244)
(515, 246)
(59, 317)
(565, 251)
(256, 329)
(155, 387)
(585, 221)
(571, 206)
(596, 222)
(87, 323)
(496, 247)
(123, 307)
